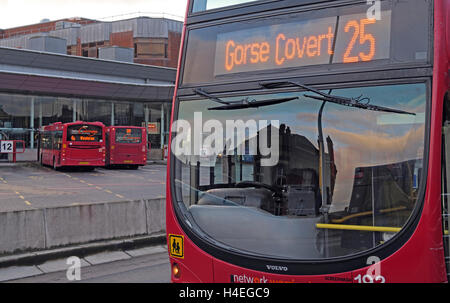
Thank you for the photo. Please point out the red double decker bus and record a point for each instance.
(72, 144)
(126, 146)
(345, 110)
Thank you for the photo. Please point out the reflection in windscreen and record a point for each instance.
(372, 170)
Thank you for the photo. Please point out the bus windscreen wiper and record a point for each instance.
(359, 102)
(202, 93)
(243, 103)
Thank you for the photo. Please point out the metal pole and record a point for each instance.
(162, 127)
(322, 158)
(14, 151)
(32, 122)
(323, 193)
(40, 114)
(112, 113)
(146, 116)
(74, 111)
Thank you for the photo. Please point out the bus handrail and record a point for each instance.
(359, 227)
(362, 228)
(367, 213)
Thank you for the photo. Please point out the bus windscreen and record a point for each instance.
(128, 135)
(84, 133)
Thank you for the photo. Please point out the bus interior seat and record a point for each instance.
(303, 192)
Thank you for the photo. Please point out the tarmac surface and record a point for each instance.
(28, 185)
(143, 265)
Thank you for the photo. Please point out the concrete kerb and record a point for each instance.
(31, 231)
(81, 251)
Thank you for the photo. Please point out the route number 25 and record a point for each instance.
(359, 31)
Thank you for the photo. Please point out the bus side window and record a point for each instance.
(58, 139)
(52, 140)
(45, 140)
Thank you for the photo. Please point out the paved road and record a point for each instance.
(28, 185)
(154, 268)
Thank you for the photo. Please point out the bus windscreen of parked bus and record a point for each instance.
(268, 201)
(128, 135)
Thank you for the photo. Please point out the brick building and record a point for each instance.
(151, 41)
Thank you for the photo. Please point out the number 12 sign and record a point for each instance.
(6, 146)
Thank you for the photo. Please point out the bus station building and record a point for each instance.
(38, 88)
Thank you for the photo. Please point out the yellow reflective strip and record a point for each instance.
(359, 227)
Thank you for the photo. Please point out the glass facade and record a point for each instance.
(21, 116)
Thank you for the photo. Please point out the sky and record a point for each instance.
(14, 13)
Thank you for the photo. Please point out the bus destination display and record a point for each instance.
(84, 133)
(341, 39)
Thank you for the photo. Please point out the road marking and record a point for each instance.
(119, 196)
(119, 172)
(108, 191)
(99, 188)
(23, 198)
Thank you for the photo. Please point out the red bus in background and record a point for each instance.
(356, 106)
(126, 146)
(72, 144)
